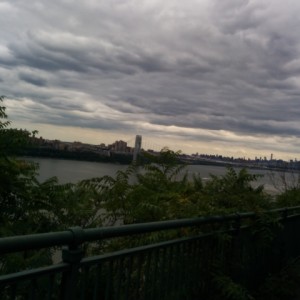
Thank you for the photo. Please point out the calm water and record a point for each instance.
(74, 171)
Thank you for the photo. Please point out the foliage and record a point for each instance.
(161, 189)
(17, 178)
(290, 197)
(229, 289)
(235, 192)
(288, 186)
(28, 206)
(283, 284)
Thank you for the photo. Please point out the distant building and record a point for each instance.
(137, 147)
(119, 146)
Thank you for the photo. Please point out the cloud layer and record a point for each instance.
(218, 75)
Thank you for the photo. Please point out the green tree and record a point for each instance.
(17, 178)
(29, 206)
(234, 192)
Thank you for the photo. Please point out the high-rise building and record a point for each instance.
(118, 146)
(137, 146)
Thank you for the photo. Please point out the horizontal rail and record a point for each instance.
(127, 252)
(76, 235)
(35, 273)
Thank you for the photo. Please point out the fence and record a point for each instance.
(179, 259)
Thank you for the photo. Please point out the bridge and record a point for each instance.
(178, 259)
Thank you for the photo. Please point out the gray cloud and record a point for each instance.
(230, 66)
(33, 79)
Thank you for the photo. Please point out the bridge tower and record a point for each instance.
(137, 146)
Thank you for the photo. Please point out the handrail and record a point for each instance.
(76, 235)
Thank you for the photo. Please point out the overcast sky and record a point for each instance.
(205, 76)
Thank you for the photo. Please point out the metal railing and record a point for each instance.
(176, 259)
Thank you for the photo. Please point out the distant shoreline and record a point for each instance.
(126, 159)
(240, 165)
(79, 156)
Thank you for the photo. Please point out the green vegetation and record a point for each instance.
(158, 190)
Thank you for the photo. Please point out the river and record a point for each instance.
(74, 171)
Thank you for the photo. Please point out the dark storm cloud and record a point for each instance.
(54, 52)
(225, 65)
(35, 80)
(43, 59)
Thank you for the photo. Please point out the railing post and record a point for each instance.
(282, 242)
(235, 250)
(72, 254)
(237, 224)
(284, 215)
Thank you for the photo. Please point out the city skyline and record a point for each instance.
(135, 144)
(203, 76)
